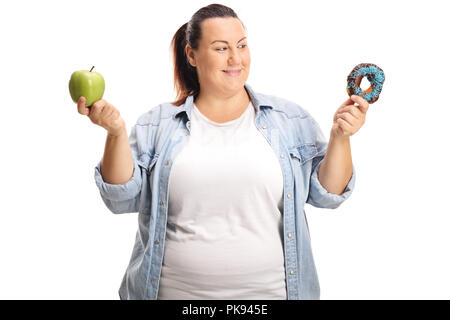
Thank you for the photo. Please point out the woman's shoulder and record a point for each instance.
(289, 107)
(155, 114)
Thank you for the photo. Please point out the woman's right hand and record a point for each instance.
(104, 114)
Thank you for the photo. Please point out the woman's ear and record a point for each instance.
(190, 55)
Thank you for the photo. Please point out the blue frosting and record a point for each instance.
(375, 76)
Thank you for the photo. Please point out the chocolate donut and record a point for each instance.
(375, 76)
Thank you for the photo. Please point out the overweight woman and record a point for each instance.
(220, 176)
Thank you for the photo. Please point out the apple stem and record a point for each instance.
(91, 69)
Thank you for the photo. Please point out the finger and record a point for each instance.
(348, 117)
(107, 110)
(344, 106)
(96, 109)
(345, 126)
(347, 102)
(363, 104)
(115, 116)
(81, 105)
(345, 109)
(351, 109)
(100, 104)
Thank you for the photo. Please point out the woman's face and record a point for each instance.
(223, 46)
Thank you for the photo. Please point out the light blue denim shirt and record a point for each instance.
(157, 138)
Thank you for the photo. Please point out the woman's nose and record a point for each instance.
(234, 58)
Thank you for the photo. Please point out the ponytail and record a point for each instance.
(185, 75)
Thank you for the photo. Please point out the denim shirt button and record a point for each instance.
(167, 162)
(289, 235)
(289, 195)
(161, 202)
(156, 241)
(153, 279)
(264, 127)
(291, 272)
(282, 155)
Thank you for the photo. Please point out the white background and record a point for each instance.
(389, 240)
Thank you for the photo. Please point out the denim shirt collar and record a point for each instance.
(257, 100)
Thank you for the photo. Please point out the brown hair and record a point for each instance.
(185, 75)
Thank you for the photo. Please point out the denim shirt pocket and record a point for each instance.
(303, 152)
(146, 162)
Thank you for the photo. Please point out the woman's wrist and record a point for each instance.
(118, 133)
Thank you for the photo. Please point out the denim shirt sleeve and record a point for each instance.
(318, 196)
(122, 198)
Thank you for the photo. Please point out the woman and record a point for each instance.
(230, 221)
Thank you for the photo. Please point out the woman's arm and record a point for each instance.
(335, 170)
(117, 162)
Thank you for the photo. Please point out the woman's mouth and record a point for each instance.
(232, 73)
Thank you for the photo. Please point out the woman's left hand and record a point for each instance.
(349, 117)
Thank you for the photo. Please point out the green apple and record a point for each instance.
(88, 84)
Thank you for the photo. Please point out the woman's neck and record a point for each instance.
(222, 108)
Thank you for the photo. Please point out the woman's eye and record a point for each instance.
(242, 45)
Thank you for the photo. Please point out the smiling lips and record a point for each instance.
(232, 73)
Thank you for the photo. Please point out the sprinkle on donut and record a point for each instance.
(374, 74)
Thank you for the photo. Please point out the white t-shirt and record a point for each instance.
(224, 236)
